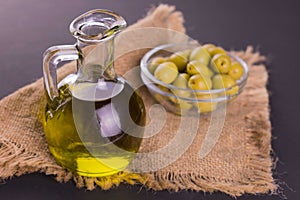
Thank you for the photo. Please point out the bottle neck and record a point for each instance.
(95, 31)
(96, 61)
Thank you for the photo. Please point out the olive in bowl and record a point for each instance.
(193, 78)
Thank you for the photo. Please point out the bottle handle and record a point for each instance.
(51, 58)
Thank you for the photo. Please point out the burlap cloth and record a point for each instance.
(239, 163)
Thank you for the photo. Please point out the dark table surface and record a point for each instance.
(28, 27)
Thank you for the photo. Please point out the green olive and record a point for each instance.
(166, 72)
(163, 88)
(210, 73)
(221, 81)
(185, 75)
(199, 82)
(181, 104)
(196, 67)
(154, 63)
(159, 97)
(236, 70)
(184, 105)
(180, 59)
(200, 54)
(233, 91)
(181, 82)
(217, 50)
(208, 46)
(205, 96)
(205, 106)
(221, 63)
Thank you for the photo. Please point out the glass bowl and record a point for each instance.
(199, 101)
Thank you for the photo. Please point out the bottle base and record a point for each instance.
(88, 165)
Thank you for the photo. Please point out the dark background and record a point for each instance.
(28, 27)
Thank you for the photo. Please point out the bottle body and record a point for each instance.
(95, 136)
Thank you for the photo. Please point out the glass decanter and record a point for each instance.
(93, 118)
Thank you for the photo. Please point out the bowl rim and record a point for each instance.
(144, 69)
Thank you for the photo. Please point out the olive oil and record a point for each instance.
(98, 133)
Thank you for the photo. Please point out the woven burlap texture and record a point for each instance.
(239, 163)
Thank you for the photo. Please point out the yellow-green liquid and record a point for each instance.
(88, 138)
